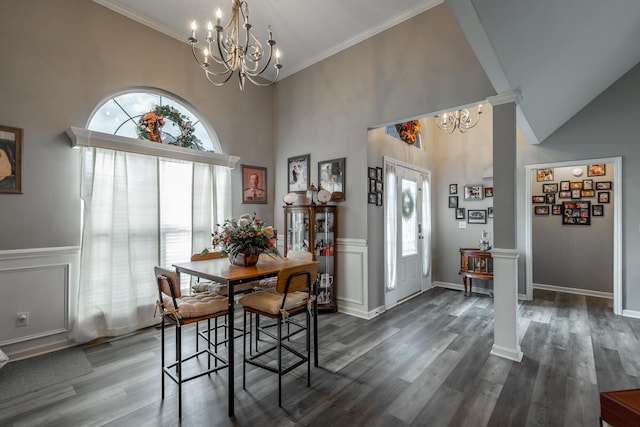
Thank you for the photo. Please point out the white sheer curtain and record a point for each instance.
(139, 211)
(426, 225)
(390, 227)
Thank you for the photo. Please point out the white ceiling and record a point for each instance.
(559, 54)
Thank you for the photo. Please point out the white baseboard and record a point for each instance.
(585, 292)
(631, 313)
(351, 311)
(459, 287)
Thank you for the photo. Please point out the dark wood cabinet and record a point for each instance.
(475, 264)
(313, 228)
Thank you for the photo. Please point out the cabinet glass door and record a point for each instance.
(298, 233)
(324, 253)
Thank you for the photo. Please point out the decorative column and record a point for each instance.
(505, 255)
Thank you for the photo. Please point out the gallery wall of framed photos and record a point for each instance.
(472, 202)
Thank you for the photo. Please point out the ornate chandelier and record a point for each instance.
(234, 48)
(458, 119)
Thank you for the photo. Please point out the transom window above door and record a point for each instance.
(121, 115)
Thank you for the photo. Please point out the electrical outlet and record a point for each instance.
(22, 319)
(462, 224)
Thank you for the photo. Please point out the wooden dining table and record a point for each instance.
(221, 271)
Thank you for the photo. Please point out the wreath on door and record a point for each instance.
(150, 127)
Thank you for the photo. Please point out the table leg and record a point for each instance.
(464, 281)
(231, 330)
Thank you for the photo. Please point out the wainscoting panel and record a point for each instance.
(353, 292)
(37, 282)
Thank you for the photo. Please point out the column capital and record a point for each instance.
(504, 98)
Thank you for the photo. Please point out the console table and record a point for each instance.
(475, 264)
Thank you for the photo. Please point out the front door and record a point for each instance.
(409, 249)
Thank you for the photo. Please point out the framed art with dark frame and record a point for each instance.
(10, 160)
(477, 216)
(541, 210)
(298, 174)
(372, 198)
(544, 174)
(597, 210)
(378, 199)
(254, 184)
(453, 201)
(372, 173)
(331, 175)
(460, 213)
(576, 213)
(453, 188)
(599, 169)
(473, 192)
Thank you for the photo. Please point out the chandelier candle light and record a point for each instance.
(458, 119)
(235, 48)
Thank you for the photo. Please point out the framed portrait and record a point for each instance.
(372, 173)
(473, 192)
(597, 210)
(587, 184)
(588, 193)
(379, 173)
(545, 175)
(10, 160)
(490, 211)
(564, 194)
(331, 174)
(550, 199)
(599, 169)
(538, 199)
(298, 175)
(575, 185)
(373, 198)
(564, 186)
(541, 210)
(576, 213)
(603, 185)
(603, 196)
(453, 201)
(372, 185)
(460, 213)
(556, 210)
(453, 188)
(254, 184)
(379, 186)
(549, 188)
(488, 191)
(477, 216)
(576, 194)
(378, 199)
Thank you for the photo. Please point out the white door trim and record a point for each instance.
(617, 224)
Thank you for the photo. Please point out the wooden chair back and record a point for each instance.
(168, 282)
(300, 278)
(204, 256)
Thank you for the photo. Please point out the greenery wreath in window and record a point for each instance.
(409, 131)
(150, 127)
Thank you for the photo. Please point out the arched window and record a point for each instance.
(121, 115)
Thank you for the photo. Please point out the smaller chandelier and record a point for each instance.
(458, 119)
(235, 48)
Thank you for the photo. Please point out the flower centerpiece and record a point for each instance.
(244, 239)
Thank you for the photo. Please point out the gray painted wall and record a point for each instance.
(59, 60)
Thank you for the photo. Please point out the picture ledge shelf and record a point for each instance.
(81, 137)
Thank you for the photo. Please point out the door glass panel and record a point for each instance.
(409, 218)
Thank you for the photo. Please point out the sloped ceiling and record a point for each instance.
(559, 54)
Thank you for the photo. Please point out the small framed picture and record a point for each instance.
(372, 185)
(488, 191)
(603, 196)
(564, 186)
(587, 184)
(298, 175)
(597, 210)
(576, 194)
(545, 175)
(541, 210)
(576, 185)
(564, 194)
(549, 188)
(473, 192)
(378, 199)
(603, 185)
(11, 160)
(538, 199)
(379, 186)
(460, 213)
(453, 201)
(477, 216)
(556, 210)
(599, 169)
(588, 193)
(490, 211)
(331, 175)
(379, 173)
(254, 184)
(373, 198)
(372, 173)
(453, 188)
(550, 199)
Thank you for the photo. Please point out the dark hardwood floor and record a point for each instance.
(424, 363)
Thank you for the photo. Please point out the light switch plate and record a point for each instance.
(462, 224)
